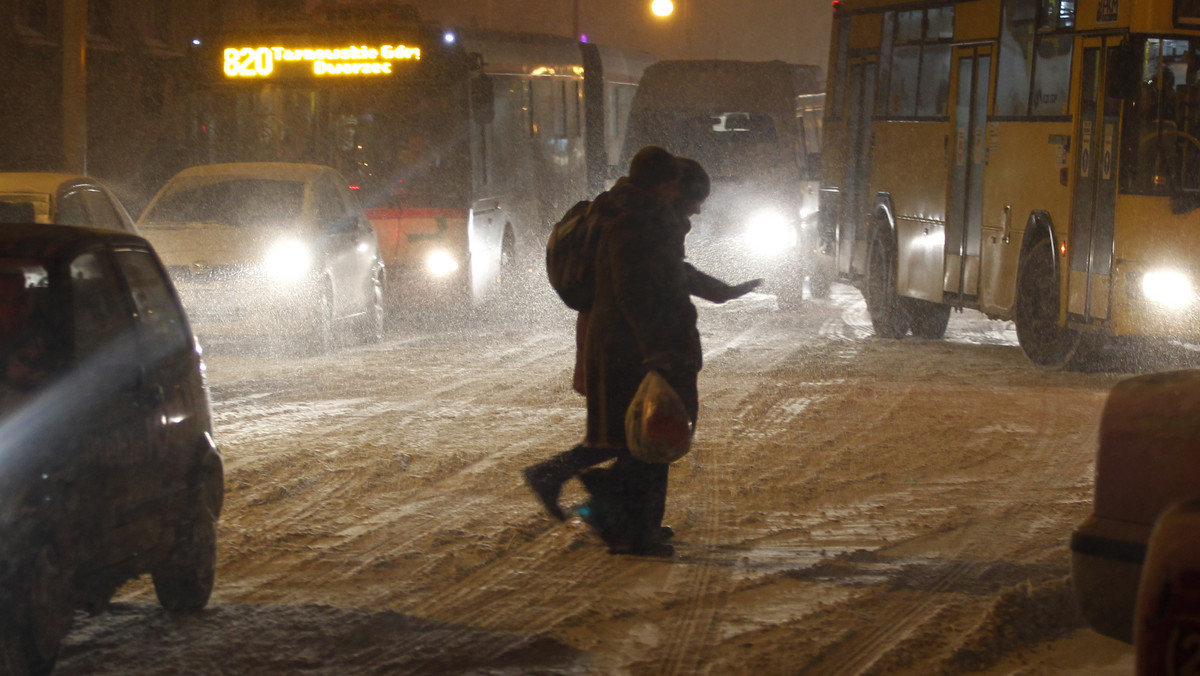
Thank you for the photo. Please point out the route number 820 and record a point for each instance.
(248, 62)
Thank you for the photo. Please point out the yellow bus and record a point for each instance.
(1035, 160)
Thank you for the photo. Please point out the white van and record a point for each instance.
(755, 126)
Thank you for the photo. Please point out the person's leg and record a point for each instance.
(546, 478)
(627, 505)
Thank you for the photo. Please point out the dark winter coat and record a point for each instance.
(642, 316)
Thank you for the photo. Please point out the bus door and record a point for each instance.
(1090, 241)
(857, 169)
(964, 215)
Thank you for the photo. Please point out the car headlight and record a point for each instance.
(768, 231)
(1168, 287)
(288, 261)
(440, 263)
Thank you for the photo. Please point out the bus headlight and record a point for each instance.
(1168, 287)
(440, 263)
(768, 232)
(288, 261)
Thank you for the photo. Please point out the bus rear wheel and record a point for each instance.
(1043, 340)
(889, 315)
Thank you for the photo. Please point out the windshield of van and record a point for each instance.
(727, 143)
(237, 202)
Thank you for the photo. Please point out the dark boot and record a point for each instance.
(546, 484)
(545, 479)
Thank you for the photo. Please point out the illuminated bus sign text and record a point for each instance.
(352, 60)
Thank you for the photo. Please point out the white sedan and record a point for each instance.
(279, 250)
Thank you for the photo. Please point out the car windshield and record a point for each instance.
(238, 203)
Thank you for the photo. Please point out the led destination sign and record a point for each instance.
(339, 61)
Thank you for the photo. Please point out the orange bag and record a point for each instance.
(657, 427)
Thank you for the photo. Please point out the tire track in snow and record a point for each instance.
(754, 350)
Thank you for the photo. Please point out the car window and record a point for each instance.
(161, 318)
(24, 297)
(71, 209)
(98, 303)
(30, 330)
(238, 202)
(101, 212)
(331, 206)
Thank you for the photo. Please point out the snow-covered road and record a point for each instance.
(851, 506)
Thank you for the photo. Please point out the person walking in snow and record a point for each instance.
(642, 318)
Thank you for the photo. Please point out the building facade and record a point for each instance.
(137, 65)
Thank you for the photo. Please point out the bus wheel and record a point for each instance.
(1043, 340)
(928, 319)
(888, 315)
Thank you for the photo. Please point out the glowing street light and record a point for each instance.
(662, 7)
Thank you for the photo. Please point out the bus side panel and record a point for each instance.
(910, 164)
(833, 168)
(1170, 245)
(1025, 161)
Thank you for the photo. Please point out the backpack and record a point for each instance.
(571, 257)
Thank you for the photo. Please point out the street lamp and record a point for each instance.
(662, 7)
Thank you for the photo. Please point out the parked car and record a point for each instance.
(65, 199)
(272, 249)
(108, 467)
(1167, 619)
(1146, 462)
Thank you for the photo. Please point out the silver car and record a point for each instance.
(274, 250)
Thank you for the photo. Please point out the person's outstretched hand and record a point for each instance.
(739, 290)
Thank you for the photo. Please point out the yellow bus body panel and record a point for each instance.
(909, 163)
(977, 21)
(1152, 238)
(1023, 171)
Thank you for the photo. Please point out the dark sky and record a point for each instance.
(792, 30)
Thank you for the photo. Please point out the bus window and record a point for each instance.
(1159, 153)
(934, 94)
(1052, 75)
(401, 145)
(905, 63)
(1034, 70)
(916, 76)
